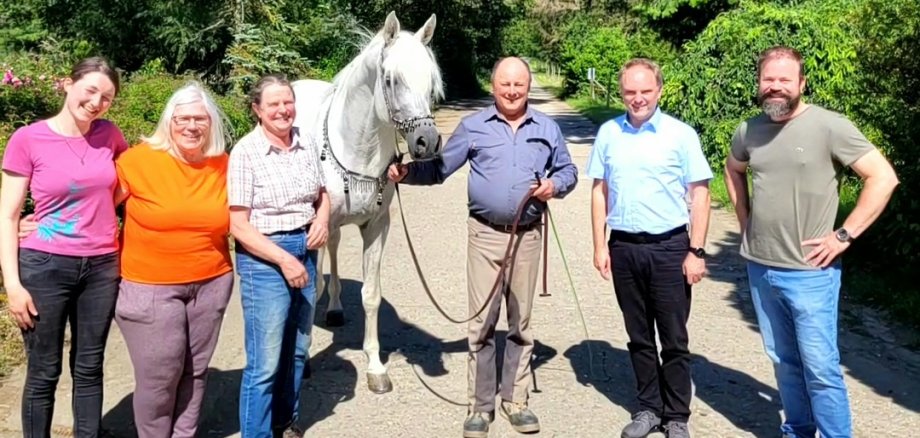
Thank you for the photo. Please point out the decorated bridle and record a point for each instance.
(369, 182)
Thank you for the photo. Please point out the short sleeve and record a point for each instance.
(848, 144)
(121, 163)
(738, 149)
(18, 155)
(241, 180)
(595, 168)
(696, 167)
(120, 145)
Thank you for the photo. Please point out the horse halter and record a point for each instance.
(407, 125)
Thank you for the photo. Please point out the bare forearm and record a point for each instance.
(699, 216)
(598, 219)
(9, 251)
(736, 184)
(255, 242)
(872, 200)
(323, 208)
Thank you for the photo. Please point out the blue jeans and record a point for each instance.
(797, 314)
(277, 322)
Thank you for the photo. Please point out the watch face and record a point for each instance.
(843, 235)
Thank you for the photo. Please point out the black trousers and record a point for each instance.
(81, 291)
(653, 292)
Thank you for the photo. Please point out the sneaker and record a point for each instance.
(676, 429)
(292, 432)
(522, 419)
(477, 425)
(642, 424)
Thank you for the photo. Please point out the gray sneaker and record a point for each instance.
(292, 432)
(522, 419)
(643, 423)
(477, 425)
(676, 429)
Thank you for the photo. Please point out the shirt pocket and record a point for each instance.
(536, 154)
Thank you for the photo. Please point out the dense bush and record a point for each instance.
(713, 85)
(889, 64)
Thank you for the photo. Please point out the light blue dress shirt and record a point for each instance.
(647, 171)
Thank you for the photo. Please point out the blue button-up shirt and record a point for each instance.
(647, 171)
(503, 163)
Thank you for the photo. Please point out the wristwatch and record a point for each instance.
(843, 235)
(699, 252)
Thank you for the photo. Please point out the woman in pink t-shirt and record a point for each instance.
(67, 270)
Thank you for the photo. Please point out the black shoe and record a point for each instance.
(522, 419)
(477, 425)
(643, 423)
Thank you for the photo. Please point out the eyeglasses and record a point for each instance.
(185, 120)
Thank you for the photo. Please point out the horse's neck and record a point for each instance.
(362, 142)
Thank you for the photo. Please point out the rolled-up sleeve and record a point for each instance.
(454, 156)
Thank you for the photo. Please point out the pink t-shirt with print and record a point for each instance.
(72, 180)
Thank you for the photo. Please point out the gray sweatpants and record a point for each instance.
(171, 332)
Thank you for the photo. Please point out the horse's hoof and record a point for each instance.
(335, 318)
(379, 383)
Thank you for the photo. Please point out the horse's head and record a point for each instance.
(410, 82)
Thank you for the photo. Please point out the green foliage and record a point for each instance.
(588, 45)
(889, 84)
(38, 96)
(140, 104)
(712, 85)
(521, 38)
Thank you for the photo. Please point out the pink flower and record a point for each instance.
(8, 77)
(17, 82)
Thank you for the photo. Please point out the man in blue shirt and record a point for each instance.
(511, 148)
(645, 164)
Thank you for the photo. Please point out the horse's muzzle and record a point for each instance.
(424, 143)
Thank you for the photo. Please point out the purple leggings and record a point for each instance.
(171, 331)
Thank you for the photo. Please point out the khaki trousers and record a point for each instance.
(485, 251)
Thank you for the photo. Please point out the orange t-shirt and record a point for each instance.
(176, 217)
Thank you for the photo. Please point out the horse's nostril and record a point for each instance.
(420, 142)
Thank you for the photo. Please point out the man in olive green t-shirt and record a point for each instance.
(796, 152)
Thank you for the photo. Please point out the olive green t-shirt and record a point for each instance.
(796, 167)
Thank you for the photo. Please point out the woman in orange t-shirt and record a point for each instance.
(176, 270)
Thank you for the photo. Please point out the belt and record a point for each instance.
(505, 228)
(643, 237)
(298, 230)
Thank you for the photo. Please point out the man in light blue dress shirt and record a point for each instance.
(646, 166)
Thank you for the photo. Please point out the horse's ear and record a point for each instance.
(427, 31)
(390, 28)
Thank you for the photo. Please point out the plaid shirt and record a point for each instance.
(278, 186)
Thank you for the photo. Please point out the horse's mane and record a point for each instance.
(409, 60)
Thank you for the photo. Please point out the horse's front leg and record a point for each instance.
(335, 317)
(374, 234)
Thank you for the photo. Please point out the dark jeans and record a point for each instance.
(653, 293)
(81, 290)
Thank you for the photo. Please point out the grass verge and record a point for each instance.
(11, 352)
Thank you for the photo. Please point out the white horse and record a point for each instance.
(387, 89)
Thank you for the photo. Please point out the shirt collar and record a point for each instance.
(492, 114)
(266, 147)
(651, 124)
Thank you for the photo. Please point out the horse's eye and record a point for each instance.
(389, 82)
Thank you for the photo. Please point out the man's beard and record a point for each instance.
(782, 108)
